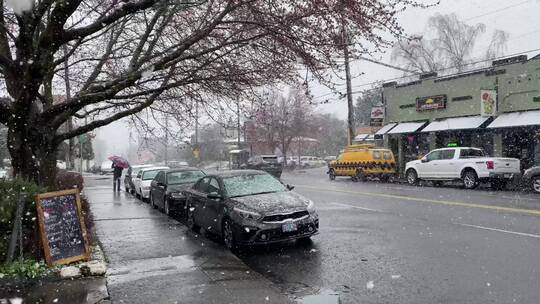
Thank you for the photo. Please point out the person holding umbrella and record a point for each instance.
(118, 165)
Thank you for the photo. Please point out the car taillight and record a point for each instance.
(490, 165)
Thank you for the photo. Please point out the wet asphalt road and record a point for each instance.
(388, 243)
(393, 243)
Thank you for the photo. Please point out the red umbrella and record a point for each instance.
(119, 161)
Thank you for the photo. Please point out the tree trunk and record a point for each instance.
(33, 156)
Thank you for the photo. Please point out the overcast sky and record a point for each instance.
(517, 17)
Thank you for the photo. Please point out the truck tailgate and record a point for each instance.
(507, 165)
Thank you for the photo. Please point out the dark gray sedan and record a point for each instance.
(249, 207)
(166, 188)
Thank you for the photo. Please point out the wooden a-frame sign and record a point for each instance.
(62, 229)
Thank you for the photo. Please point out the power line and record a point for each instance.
(497, 10)
(440, 70)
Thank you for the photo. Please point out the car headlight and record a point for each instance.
(310, 207)
(247, 214)
(177, 195)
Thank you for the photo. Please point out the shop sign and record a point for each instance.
(377, 116)
(431, 103)
(488, 103)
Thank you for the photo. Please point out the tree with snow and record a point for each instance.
(115, 58)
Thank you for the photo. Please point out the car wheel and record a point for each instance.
(412, 177)
(536, 184)
(191, 223)
(384, 179)
(228, 235)
(332, 174)
(470, 179)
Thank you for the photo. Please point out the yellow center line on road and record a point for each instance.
(427, 200)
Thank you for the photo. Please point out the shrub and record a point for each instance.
(68, 180)
(25, 269)
(10, 192)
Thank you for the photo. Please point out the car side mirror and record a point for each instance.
(424, 159)
(214, 196)
(289, 187)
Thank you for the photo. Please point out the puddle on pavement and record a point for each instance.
(325, 296)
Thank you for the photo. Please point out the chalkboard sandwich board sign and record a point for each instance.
(62, 229)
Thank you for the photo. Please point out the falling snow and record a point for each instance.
(370, 285)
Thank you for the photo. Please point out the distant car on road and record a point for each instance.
(143, 180)
(249, 207)
(467, 164)
(131, 173)
(167, 187)
(106, 167)
(267, 163)
(531, 178)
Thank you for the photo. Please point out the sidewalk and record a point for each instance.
(155, 259)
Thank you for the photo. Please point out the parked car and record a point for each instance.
(132, 171)
(267, 163)
(166, 188)
(106, 167)
(143, 180)
(311, 162)
(531, 178)
(469, 165)
(361, 162)
(249, 207)
(329, 159)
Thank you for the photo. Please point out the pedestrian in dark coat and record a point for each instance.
(117, 174)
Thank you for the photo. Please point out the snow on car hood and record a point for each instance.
(278, 202)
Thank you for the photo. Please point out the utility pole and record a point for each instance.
(166, 138)
(350, 117)
(238, 117)
(196, 123)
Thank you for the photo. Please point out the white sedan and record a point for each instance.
(143, 179)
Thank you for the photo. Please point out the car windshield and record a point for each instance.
(150, 174)
(184, 177)
(251, 184)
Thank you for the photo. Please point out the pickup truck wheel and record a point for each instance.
(332, 174)
(536, 184)
(412, 177)
(470, 179)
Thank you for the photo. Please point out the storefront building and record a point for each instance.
(497, 109)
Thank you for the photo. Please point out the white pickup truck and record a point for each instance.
(470, 165)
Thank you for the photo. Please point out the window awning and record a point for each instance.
(406, 127)
(360, 137)
(457, 123)
(516, 119)
(386, 128)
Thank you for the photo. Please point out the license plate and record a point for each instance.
(289, 227)
(507, 175)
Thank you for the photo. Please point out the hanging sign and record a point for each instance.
(431, 103)
(377, 116)
(62, 229)
(488, 103)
